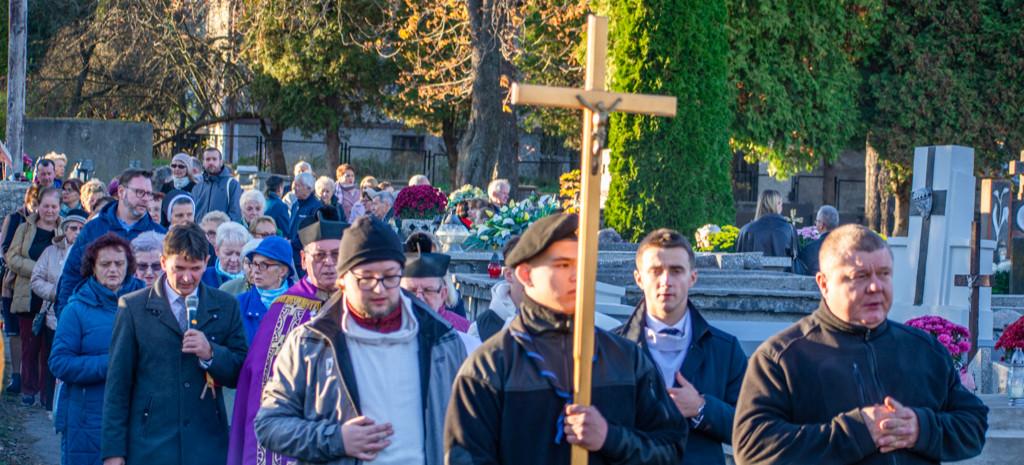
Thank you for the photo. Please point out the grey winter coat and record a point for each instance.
(153, 413)
(309, 396)
(218, 192)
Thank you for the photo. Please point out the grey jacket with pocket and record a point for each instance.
(313, 391)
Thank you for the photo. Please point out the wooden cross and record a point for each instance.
(596, 104)
(974, 281)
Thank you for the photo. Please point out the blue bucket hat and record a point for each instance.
(274, 248)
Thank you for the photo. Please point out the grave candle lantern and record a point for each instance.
(1015, 379)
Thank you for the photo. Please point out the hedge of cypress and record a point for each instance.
(669, 172)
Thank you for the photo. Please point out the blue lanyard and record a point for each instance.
(526, 341)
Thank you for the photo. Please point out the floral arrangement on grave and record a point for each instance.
(953, 337)
(1012, 339)
(466, 192)
(510, 220)
(807, 235)
(711, 238)
(420, 202)
(569, 185)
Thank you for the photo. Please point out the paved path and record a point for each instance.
(38, 429)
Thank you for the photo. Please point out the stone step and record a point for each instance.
(1004, 440)
(1008, 300)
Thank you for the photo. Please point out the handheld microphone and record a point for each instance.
(192, 304)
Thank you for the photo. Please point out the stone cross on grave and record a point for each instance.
(974, 281)
(938, 245)
(926, 203)
(596, 104)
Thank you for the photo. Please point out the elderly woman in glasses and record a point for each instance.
(81, 346)
(146, 248)
(181, 174)
(270, 266)
(229, 240)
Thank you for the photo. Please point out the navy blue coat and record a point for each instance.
(300, 210)
(809, 255)
(80, 356)
(106, 221)
(278, 210)
(715, 365)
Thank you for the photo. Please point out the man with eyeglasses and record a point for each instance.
(320, 236)
(127, 217)
(218, 190)
(369, 379)
(423, 278)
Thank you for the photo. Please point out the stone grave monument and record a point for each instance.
(938, 244)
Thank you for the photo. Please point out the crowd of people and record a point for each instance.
(132, 308)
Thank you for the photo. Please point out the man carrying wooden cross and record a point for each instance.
(512, 399)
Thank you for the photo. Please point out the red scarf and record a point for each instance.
(387, 324)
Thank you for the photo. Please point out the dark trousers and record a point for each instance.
(34, 355)
(11, 324)
(51, 381)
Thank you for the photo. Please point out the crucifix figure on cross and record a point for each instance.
(974, 281)
(596, 104)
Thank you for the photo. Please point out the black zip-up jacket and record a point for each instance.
(714, 364)
(804, 388)
(503, 411)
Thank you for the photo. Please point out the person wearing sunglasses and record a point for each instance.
(394, 415)
(146, 248)
(181, 176)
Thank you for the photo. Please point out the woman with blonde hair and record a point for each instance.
(770, 233)
(30, 240)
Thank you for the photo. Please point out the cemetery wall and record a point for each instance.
(111, 145)
(12, 196)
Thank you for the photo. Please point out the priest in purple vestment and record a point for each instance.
(320, 235)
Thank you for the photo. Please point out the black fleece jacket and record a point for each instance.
(503, 411)
(804, 388)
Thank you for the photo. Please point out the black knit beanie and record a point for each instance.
(368, 240)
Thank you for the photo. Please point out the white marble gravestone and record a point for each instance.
(938, 244)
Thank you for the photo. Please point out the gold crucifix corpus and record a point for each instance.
(596, 104)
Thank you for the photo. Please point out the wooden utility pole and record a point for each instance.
(16, 58)
(596, 104)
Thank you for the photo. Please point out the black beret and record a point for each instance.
(368, 240)
(426, 265)
(325, 224)
(540, 235)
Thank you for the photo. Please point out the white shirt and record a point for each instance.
(669, 351)
(172, 298)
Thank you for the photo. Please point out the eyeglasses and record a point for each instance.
(264, 266)
(321, 257)
(144, 267)
(69, 189)
(368, 284)
(142, 194)
(425, 291)
(178, 166)
(211, 235)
